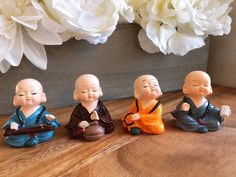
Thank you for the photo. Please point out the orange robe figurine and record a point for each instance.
(145, 113)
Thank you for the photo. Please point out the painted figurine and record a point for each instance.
(145, 113)
(195, 112)
(90, 109)
(31, 123)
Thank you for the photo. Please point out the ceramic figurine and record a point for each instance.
(195, 112)
(31, 123)
(90, 109)
(145, 113)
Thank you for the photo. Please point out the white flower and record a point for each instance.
(178, 26)
(92, 20)
(125, 11)
(210, 17)
(21, 31)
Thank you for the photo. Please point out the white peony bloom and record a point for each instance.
(178, 26)
(21, 31)
(53, 19)
(92, 20)
(210, 17)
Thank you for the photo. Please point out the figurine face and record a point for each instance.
(197, 83)
(29, 93)
(146, 87)
(87, 88)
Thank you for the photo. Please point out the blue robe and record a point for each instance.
(206, 117)
(31, 121)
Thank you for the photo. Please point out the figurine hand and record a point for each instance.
(94, 116)
(83, 124)
(14, 126)
(225, 111)
(135, 116)
(185, 107)
(50, 117)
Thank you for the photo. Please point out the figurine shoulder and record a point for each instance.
(101, 107)
(77, 109)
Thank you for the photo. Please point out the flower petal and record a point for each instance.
(16, 53)
(166, 32)
(49, 20)
(44, 36)
(145, 43)
(5, 46)
(4, 66)
(181, 43)
(153, 32)
(125, 10)
(70, 8)
(29, 18)
(67, 35)
(34, 51)
(7, 27)
(30, 24)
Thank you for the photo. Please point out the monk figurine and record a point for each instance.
(196, 113)
(90, 109)
(30, 116)
(145, 113)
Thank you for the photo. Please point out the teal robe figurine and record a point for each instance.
(31, 123)
(32, 139)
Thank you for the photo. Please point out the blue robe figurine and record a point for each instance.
(32, 139)
(202, 119)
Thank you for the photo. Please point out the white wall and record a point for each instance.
(222, 56)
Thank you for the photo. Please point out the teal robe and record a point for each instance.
(37, 118)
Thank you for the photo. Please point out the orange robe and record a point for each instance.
(150, 118)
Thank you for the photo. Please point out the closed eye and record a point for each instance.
(34, 93)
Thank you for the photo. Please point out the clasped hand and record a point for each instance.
(94, 116)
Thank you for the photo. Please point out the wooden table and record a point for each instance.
(120, 154)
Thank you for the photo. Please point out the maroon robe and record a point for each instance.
(80, 113)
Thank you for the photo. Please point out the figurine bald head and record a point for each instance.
(146, 87)
(197, 83)
(29, 93)
(87, 88)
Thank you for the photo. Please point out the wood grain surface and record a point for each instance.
(173, 153)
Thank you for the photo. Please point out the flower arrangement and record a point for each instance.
(168, 26)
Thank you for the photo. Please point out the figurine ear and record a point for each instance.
(44, 98)
(185, 90)
(136, 94)
(211, 91)
(15, 102)
(75, 95)
(100, 91)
